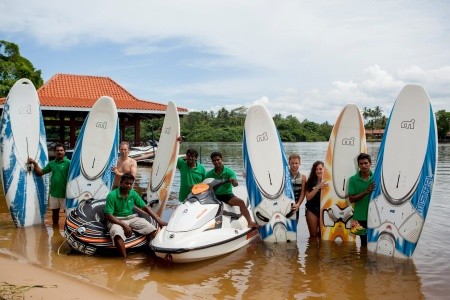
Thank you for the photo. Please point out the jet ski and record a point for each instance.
(86, 230)
(204, 227)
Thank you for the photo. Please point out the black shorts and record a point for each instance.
(225, 198)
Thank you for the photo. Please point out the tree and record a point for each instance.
(442, 123)
(14, 67)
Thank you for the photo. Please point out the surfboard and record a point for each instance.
(404, 176)
(347, 141)
(95, 152)
(267, 177)
(22, 135)
(163, 168)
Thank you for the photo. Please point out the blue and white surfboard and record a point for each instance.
(96, 150)
(268, 178)
(404, 176)
(22, 135)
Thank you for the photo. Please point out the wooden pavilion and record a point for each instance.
(66, 100)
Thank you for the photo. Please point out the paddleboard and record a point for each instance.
(347, 141)
(404, 176)
(22, 135)
(96, 151)
(164, 165)
(268, 178)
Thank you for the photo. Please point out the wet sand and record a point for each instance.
(20, 279)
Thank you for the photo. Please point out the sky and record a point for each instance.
(307, 59)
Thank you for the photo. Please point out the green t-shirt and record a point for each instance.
(58, 180)
(188, 177)
(120, 207)
(227, 173)
(357, 185)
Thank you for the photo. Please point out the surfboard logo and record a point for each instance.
(101, 124)
(408, 124)
(25, 110)
(262, 137)
(348, 141)
(167, 130)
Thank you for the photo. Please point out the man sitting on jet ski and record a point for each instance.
(224, 192)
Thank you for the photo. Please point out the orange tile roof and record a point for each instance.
(79, 92)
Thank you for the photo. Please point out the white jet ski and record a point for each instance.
(204, 227)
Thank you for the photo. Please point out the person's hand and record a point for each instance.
(233, 182)
(323, 184)
(162, 223)
(127, 230)
(114, 169)
(371, 187)
(31, 161)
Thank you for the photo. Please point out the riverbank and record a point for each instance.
(21, 279)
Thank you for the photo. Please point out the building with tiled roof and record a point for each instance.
(66, 99)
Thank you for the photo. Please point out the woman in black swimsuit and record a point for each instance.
(314, 186)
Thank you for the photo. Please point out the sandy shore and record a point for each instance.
(17, 278)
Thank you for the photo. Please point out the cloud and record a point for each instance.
(306, 58)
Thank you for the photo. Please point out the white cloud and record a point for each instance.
(305, 58)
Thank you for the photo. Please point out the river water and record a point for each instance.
(308, 269)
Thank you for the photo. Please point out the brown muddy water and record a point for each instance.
(306, 270)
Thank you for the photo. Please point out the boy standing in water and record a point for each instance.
(298, 181)
(360, 186)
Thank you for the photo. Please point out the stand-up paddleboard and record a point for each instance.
(268, 178)
(163, 169)
(404, 175)
(96, 150)
(347, 141)
(22, 135)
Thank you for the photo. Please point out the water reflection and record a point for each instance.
(308, 269)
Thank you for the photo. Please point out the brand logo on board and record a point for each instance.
(25, 110)
(101, 125)
(408, 124)
(348, 141)
(262, 137)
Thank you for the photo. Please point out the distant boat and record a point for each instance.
(143, 154)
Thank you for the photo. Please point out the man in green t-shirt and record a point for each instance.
(59, 167)
(191, 173)
(225, 192)
(360, 186)
(121, 218)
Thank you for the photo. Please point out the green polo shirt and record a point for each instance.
(188, 177)
(227, 173)
(58, 180)
(117, 206)
(357, 185)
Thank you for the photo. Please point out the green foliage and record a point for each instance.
(228, 126)
(442, 123)
(14, 67)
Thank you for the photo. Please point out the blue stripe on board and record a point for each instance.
(75, 166)
(422, 197)
(255, 194)
(43, 181)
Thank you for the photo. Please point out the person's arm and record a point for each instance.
(356, 197)
(310, 194)
(152, 214)
(133, 168)
(36, 167)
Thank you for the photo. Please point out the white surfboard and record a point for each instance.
(267, 177)
(22, 135)
(404, 175)
(347, 141)
(163, 168)
(96, 150)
